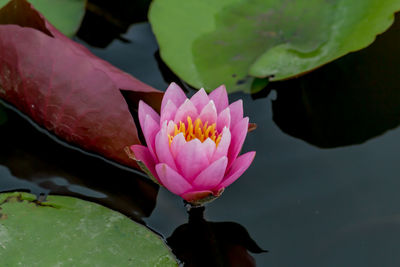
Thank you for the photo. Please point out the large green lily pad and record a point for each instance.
(65, 231)
(209, 42)
(65, 15)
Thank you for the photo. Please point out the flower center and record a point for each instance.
(196, 130)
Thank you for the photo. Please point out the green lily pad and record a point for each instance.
(208, 43)
(73, 232)
(65, 15)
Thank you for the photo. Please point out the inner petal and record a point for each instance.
(187, 109)
(209, 113)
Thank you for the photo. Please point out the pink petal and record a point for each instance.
(171, 128)
(143, 154)
(151, 128)
(162, 147)
(239, 133)
(175, 94)
(223, 146)
(211, 176)
(145, 110)
(177, 144)
(220, 98)
(224, 119)
(168, 112)
(196, 195)
(192, 159)
(239, 166)
(187, 109)
(209, 113)
(200, 99)
(236, 109)
(209, 146)
(172, 180)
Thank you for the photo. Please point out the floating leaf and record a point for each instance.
(74, 232)
(347, 101)
(208, 42)
(63, 87)
(65, 15)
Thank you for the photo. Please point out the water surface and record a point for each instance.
(306, 205)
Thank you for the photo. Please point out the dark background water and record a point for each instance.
(323, 189)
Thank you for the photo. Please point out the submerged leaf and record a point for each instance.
(208, 43)
(74, 232)
(63, 87)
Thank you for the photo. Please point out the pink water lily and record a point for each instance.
(193, 145)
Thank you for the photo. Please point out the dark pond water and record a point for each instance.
(323, 189)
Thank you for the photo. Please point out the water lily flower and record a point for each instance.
(193, 144)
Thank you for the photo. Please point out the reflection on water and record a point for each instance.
(32, 156)
(203, 243)
(106, 20)
(9, 183)
(3, 115)
(60, 182)
(347, 101)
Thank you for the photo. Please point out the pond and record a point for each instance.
(323, 189)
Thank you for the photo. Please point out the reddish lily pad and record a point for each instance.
(63, 87)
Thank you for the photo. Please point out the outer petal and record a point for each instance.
(177, 144)
(209, 113)
(192, 159)
(187, 109)
(224, 119)
(200, 99)
(211, 176)
(145, 110)
(150, 130)
(223, 146)
(236, 109)
(175, 94)
(172, 180)
(168, 112)
(238, 135)
(239, 166)
(220, 98)
(143, 154)
(162, 147)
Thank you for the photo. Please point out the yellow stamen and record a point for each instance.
(196, 130)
